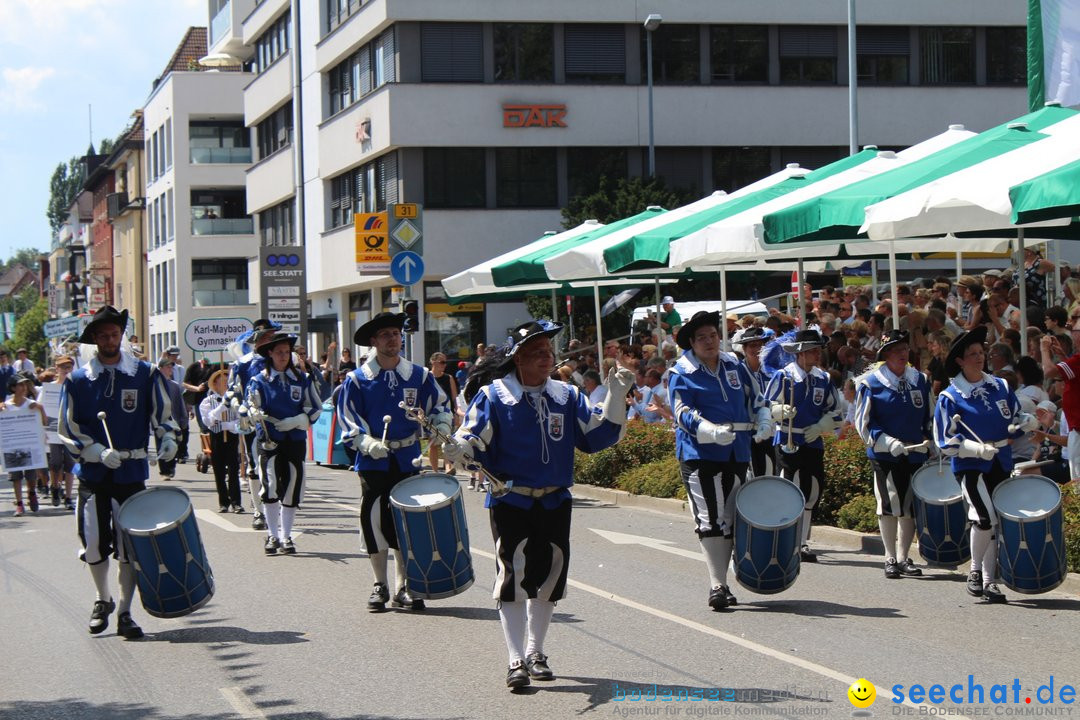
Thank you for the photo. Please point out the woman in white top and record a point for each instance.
(19, 387)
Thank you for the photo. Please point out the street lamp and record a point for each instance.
(652, 21)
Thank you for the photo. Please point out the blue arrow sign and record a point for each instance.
(407, 267)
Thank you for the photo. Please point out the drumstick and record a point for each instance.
(386, 426)
(919, 447)
(956, 420)
(101, 417)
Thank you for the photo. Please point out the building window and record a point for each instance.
(220, 212)
(273, 43)
(170, 268)
(525, 177)
(587, 165)
(276, 131)
(167, 142)
(367, 188)
(276, 225)
(454, 178)
(219, 141)
(808, 55)
(524, 53)
(162, 222)
(451, 52)
(170, 215)
(676, 50)
(219, 281)
(739, 53)
(366, 70)
(679, 167)
(155, 165)
(1006, 55)
(338, 11)
(595, 53)
(948, 56)
(884, 55)
(452, 330)
(736, 167)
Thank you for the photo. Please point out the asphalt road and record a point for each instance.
(290, 637)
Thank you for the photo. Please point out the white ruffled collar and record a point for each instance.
(290, 374)
(371, 368)
(510, 391)
(689, 363)
(967, 388)
(129, 365)
(885, 375)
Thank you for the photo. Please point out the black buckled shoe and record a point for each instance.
(892, 569)
(993, 593)
(127, 628)
(806, 555)
(717, 598)
(257, 522)
(517, 676)
(380, 595)
(909, 569)
(975, 584)
(288, 547)
(271, 546)
(731, 601)
(99, 616)
(403, 599)
(537, 666)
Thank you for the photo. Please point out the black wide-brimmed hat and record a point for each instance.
(891, 338)
(700, 319)
(105, 315)
(960, 346)
(750, 335)
(529, 331)
(382, 320)
(16, 379)
(804, 340)
(267, 342)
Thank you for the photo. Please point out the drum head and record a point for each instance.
(424, 490)
(153, 509)
(769, 501)
(935, 483)
(1027, 496)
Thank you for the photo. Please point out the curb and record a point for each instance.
(867, 543)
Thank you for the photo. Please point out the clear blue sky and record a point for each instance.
(56, 58)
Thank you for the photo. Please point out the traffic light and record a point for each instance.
(412, 316)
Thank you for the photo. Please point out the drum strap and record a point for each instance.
(533, 492)
(403, 442)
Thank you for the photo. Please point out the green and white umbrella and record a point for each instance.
(1052, 195)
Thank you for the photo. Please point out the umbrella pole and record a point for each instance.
(1022, 277)
(873, 281)
(799, 297)
(959, 265)
(554, 310)
(892, 283)
(658, 333)
(599, 332)
(723, 307)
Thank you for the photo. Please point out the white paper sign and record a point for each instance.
(49, 397)
(22, 440)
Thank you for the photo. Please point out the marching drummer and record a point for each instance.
(134, 399)
(716, 404)
(976, 416)
(386, 451)
(750, 342)
(523, 427)
(892, 416)
(283, 403)
(805, 404)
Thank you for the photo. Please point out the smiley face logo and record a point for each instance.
(862, 693)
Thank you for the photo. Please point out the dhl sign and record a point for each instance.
(522, 116)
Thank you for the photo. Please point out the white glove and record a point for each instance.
(245, 424)
(372, 447)
(443, 423)
(781, 412)
(973, 449)
(1023, 422)
(765, 425)
(296, 422)
(456, 450)
(166, 449)
(618, 383)
(708, 432)
(92, 453)
(891, 445)
(111, 458)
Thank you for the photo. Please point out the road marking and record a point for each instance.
(241, 703)
(215, 519)
(322, 499)
(705, 629)
(656, 544)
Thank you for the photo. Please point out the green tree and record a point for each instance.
(63, 188)
(618, 199)
(30, 331)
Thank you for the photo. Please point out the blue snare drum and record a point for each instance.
(768, 510)
(429, 516)
(164, 546)
(1031, 538)
(940, 516)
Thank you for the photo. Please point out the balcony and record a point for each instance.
(214, 298)
(220, 155)
(116, 203)
(221, 23)
(223, 226)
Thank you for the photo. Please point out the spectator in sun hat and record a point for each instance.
(1035, 269)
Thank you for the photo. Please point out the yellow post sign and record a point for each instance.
(372, 246)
